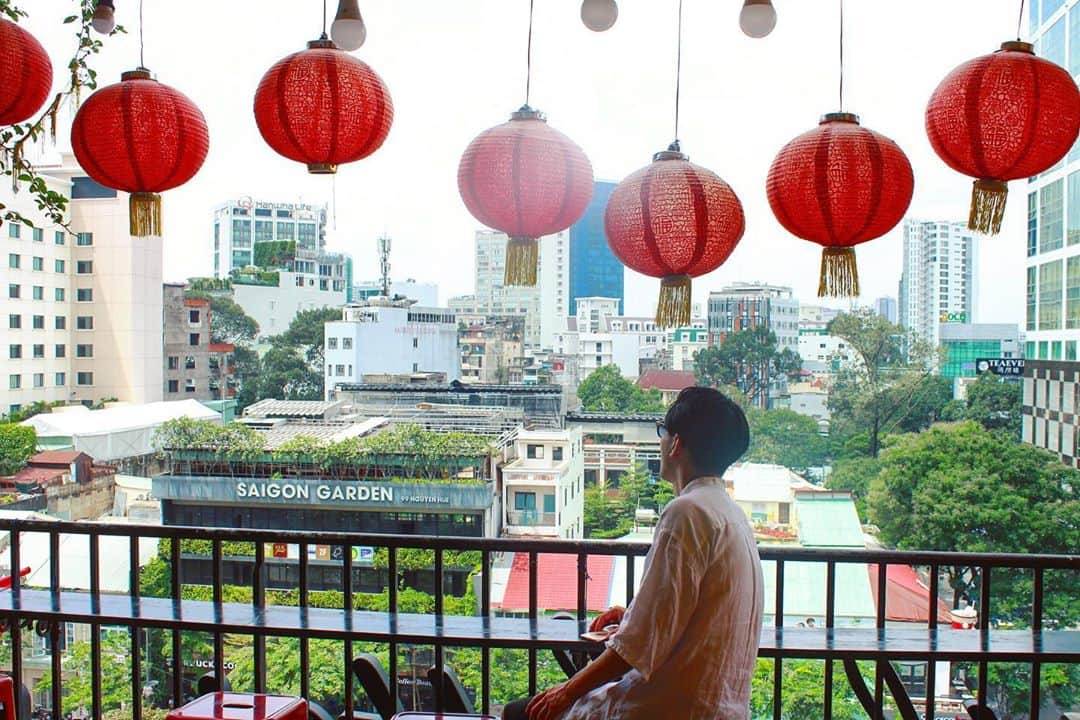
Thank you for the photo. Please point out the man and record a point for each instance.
(687, 645)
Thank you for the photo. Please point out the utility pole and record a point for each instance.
(384, 264)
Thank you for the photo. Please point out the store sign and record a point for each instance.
(347, 492)
(1007, 367)
(362, 556)
(953, 317)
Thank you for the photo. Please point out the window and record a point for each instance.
(193, 339)
(60, 322)
(14, 382)
(174, 386)
(286, 231)
(1072, 292)
(39, 351)
(1074, 41)
(549, 502)
(14, 231)
(84, 351)
(39, 380)
(193, 317)
(534, 452)
(59, 294)
(14, 352)
(84, 378)
(39, 235)
(84, 295)
(1051, 216)
(39, 292)
(307, 236)
(1052, 46)
(331, 343)
(38, 263)
(61, 379)
(39, 322)
(174, 362)
(60, 350)
(241, 233)
(189, 385)
(340, 370)
(189, 362)
(58, 266)
(58, 237)
(416, 342)
(556, 454)
(84, 267)
(13, 291)
(84, 239)
(525, 501)
(264, 230)
(84, 322)
(346, 343)
(14, 322)
(13, 261)
(1050, 296)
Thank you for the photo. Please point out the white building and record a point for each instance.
(242, 223)
(83, 312)
(599, 336)
(816, 317)
(426, 294)
(687, 342)
(544, 487)
(390, 337)
(274, 298)
(824, 353)
(938, 283)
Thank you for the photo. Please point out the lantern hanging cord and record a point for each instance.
(841, 55)
(528, 55)
(678, 70)
(324, 18)
(142, 60)
(1020, 20)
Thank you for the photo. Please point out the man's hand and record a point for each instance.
(611, 616)
(550, 704)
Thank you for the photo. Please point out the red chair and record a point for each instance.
(242, 706)
(7, 698)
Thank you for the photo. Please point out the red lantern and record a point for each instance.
(323, 107)
(673, 220)
(528, 180)
(25, 74)
(1001, 117)
(142, 137)
(840, 185)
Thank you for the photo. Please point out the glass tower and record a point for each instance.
(594, 270)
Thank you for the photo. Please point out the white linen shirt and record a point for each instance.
(691, 632)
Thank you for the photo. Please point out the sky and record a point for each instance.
(456, 67)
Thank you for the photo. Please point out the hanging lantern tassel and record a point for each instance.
(987, 206)
(522, 257)
(673, 310)
(839, 273)
(145, 214)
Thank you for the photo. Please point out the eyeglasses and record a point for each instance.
(661, 428)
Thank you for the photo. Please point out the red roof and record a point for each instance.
(557, 582)
(196, 302)
(222, 347)
(39, 476)
(907, 598)
(667, 379)
(57, 457)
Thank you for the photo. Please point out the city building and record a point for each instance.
(426, 294)
(273, 297)
(244, 224)
(1052, 269)
(544, 485)
(816, 317)
(83, 309)
(598, 336)
(194, 366)
(685, 343)
(824, 353)
(668, 382)
(937, 284)
(886, 308)
(594, 269)
(964, 344)
(615, 444)
(746, 305)
(390, 337)
(491, 350)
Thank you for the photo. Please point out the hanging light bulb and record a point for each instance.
(599, 15)
(757, 18)
(104, 21)
(348, 31)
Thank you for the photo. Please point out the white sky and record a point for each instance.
(456, 67)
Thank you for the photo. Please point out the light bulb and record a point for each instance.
(348, 31)
(599, 15)
(757, 18)
(104, 21)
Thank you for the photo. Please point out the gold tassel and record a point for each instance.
(839, 273)
(522, 257)
(987, 206)
(673, 310)
(145, 214)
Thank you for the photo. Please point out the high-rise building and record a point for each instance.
(594, 269)
(746, 305)
(1052, 272)
(938, 283)
(886, 308)
(83, 311)
(242, 224)
(543, 305)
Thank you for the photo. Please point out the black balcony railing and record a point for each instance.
(49, 609)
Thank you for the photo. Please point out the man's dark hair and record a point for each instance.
(711, 426)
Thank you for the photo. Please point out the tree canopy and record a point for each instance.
(606, 390)
(17, 444)
(784, 437)
(748, 360)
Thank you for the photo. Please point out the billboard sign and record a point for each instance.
(1006, 367)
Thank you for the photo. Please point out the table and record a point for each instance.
(242, 706)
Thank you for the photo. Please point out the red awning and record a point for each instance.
(557, 582)
(907, 598)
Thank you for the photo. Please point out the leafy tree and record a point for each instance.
(609, 512)
(606, 390)
(801, 691)
(882, 389)
(286, 375)
(17, 444)
(247, 375)
(995, 403)
(748, 360)
(784, 437)
(305, 335)
(926, 405)
(78, 681)
(228, 321)
(855, 475)
(963, 488)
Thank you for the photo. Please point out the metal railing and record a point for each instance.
(530, 518)
(49, 609)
